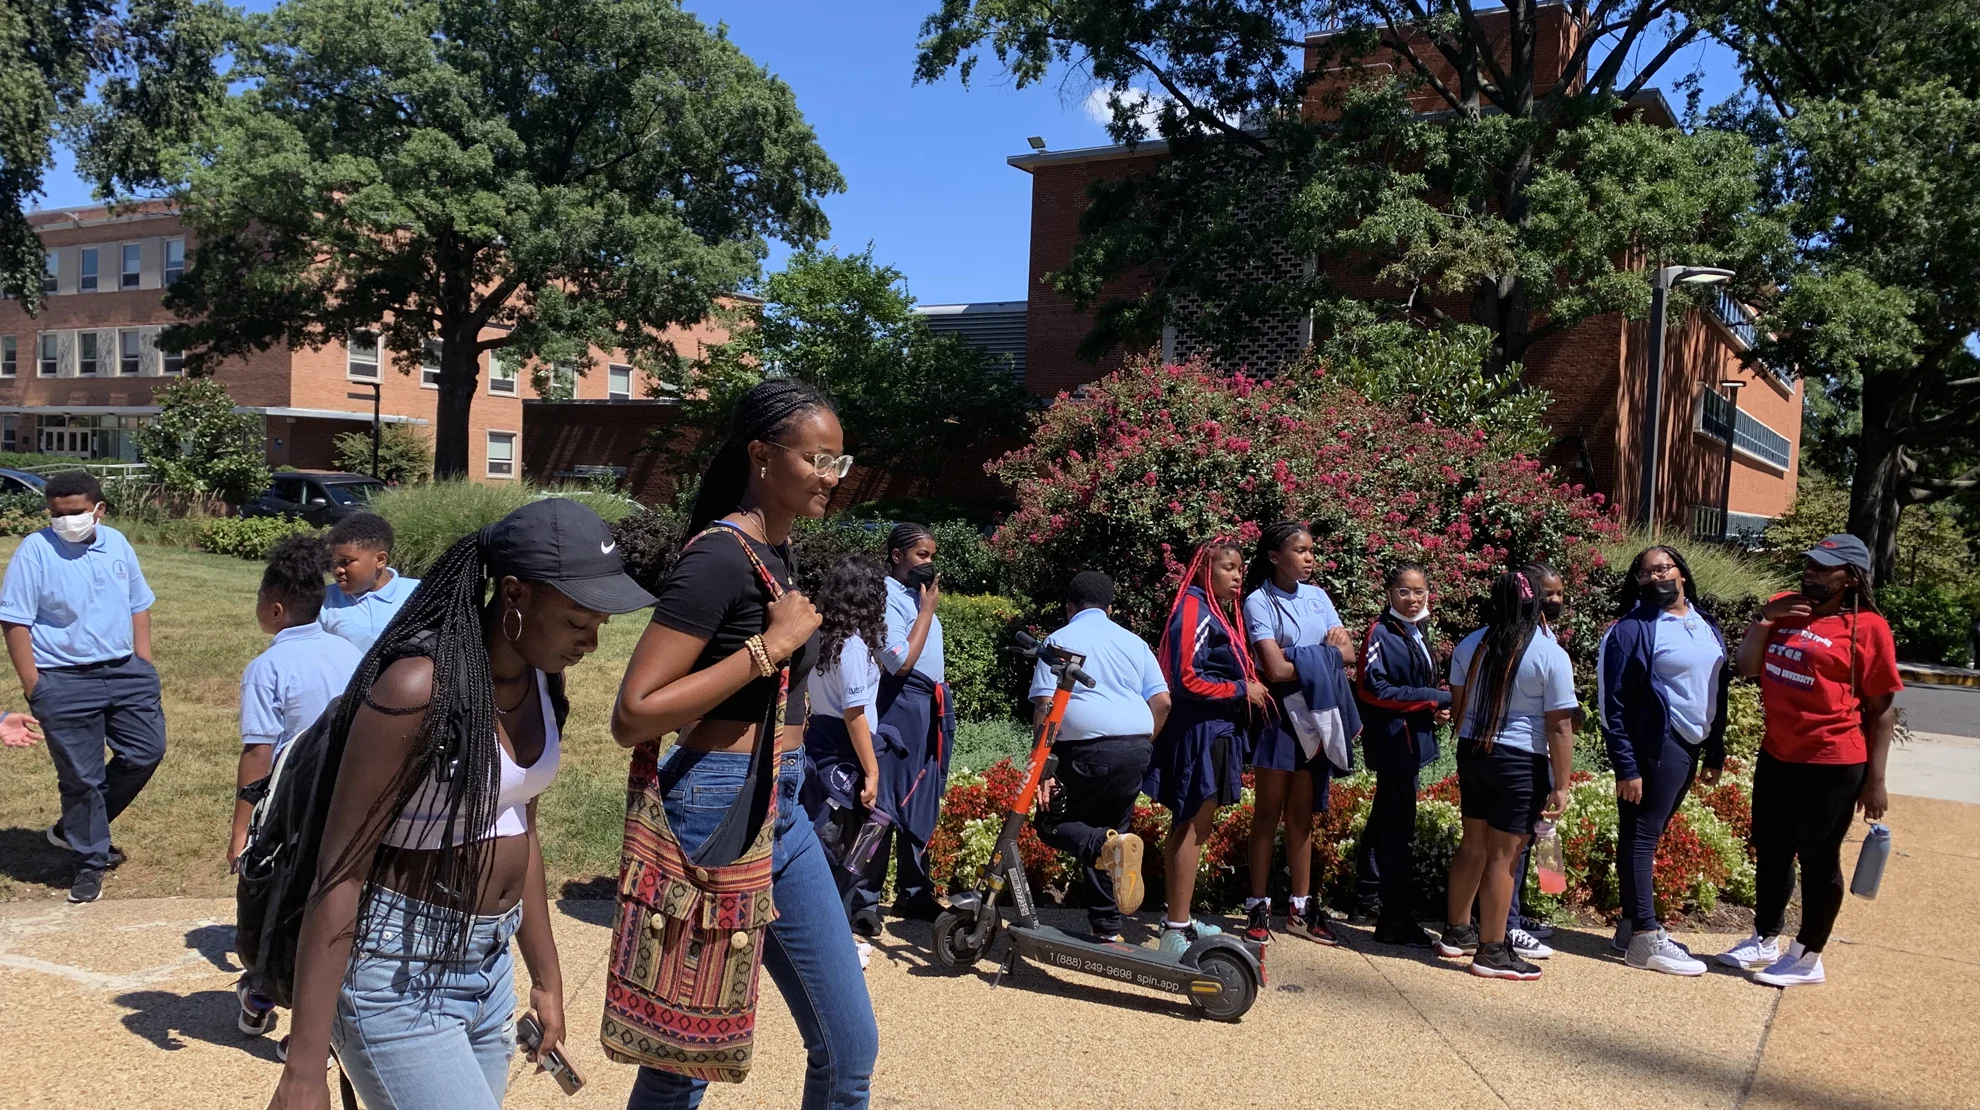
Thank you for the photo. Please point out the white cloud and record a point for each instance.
(1145, 106)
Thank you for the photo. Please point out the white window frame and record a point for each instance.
(489, 461)
(128, 276)
(45, 364)
(89, 354)
(173, 274)
(499, 365)
(130, 353)
(171, 364)
(613, 394)
(429, 374)
(87, 282)
(352, 362)
(10, 356)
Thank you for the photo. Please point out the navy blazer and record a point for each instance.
(1635, 718)
(1399, 696)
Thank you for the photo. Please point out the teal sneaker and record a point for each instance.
(1177, 941)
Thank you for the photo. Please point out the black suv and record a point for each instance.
(320, 497)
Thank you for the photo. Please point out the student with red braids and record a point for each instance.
(1200, 753)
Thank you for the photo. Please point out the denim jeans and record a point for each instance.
(414, 1032)
(810, 953)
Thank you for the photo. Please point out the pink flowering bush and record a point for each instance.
(1150, 460)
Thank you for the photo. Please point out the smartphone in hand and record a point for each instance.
(529, 1034)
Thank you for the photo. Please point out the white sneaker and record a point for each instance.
(1656, 951)
(1526, 946)
(1753, 953)
(1797, 967)
(865, 951)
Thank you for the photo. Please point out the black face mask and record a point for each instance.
(920, 576)
(1817, 592)
(1552, 610)
(1663, 594)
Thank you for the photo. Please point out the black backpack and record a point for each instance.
(285, 836)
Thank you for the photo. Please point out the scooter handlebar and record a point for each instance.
(1079, 675)
(1033, 648)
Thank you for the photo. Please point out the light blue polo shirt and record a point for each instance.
(77, 599)
(1543, 682)
(285, 689)
(1298, 619)
(902, 608)
(1125, 675)
(362, 619)
(1683, 668)
(852, 683)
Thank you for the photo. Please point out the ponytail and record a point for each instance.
(1275, 537)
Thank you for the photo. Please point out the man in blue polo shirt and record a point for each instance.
(77, 615)
(1103, 747)
(367, 592)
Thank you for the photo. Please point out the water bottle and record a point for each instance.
(1870, 862)
(1547, 859)
(866, 843)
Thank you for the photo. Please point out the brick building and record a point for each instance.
(1596, 371)
(78, 379)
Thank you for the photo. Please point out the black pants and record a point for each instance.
(1639, 825)
(1099, 778)
(1801, 811)
(1385, 866)
(83, 709)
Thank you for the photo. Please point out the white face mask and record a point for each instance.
(1417, 619)
(76, 529)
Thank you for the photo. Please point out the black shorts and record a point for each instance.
(1505, 787)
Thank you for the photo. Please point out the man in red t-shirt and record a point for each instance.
(1828, 682)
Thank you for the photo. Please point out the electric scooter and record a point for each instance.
(1220, 975)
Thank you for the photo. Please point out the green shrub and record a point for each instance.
(1930, 623)
(611, 507)
(198, 446)
(249, 537)
(986, 678)
(818, 544)
(647, 543)
(404, 454)
(426, 520)
(15, 521)
(1745, 725)
(981, 743)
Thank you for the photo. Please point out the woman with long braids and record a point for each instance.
(915, 706)
(429, 859)
(1198, 762)
(842, 777)
(1512, 691)
(1283, 612)
(1828, 686)
(1663, 675)
(699, 671)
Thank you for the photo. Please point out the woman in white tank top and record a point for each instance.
(430, 862)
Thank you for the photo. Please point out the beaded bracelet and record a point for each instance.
(759, 652)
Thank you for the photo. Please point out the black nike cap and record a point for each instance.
(559, 542)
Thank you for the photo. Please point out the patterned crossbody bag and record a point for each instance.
(687, 938)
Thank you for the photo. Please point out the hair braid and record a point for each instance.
(768, 408)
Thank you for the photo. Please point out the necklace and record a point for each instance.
(519, 701)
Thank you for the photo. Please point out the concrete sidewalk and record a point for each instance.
(129, 1004)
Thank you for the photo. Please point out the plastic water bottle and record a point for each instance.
(1870, 862)
(867, 842)
(1547, 859)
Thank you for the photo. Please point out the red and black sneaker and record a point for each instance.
(1258, 923)
(1312, 924)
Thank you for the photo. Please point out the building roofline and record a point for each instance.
(1318, 36)
(100, 212)
(969, 308)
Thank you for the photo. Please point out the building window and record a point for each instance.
(88, 284)
(429, 363)
(86, 352)
(175, 260)
(9, 431)
(128, 361)
(361, 355)
(172, 362)
(50, 270)
(501, 454)
(618, 383)
(501, 373)
(51, 356)
(1751, 436)
(129, 278)
(10, 356)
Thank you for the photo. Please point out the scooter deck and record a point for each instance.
(1116, 960)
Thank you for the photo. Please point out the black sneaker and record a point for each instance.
(1365, 916)
(1258, 923)
(920, 909)
(1458, 940)
(1536, 928)
(1313, 924)
(55, 837)
(1404, 934)
(88, 885)
(866, 922)
(1497, 960)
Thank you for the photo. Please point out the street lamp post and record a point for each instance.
(373, 397)
(1660, 285)
(1732, 386)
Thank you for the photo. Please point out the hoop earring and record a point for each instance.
(512, 637)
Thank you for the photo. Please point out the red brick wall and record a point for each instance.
(1556, 35)
(1054, 329)
(558, 437)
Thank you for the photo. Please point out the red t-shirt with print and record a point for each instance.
(1812, 705)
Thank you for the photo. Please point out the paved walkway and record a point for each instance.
(128, 1004)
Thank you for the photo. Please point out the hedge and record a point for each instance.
(427, 519)
(249, 537)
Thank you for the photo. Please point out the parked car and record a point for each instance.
(20, 481)
(321, 497)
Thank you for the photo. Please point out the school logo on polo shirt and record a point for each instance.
(123, 573)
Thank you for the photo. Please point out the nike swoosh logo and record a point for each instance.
(608, 548)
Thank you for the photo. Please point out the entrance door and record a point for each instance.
(73, 442)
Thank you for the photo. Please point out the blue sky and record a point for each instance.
(926, 181)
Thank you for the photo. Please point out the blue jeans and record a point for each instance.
(810, 953)
(1640, 825)
(81, 709)
(415, 1032)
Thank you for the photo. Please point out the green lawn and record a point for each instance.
(176, 832)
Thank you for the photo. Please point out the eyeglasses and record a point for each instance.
(827, 465)
(1652, 573)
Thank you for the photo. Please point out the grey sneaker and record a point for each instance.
(88, 885)
(1655, 951)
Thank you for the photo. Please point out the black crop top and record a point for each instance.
(714, 593)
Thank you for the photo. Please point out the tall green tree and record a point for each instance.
(1515, 202)
(909, 398)
(198, 446)
(1871, 120)
(152, 66)
(561, 174)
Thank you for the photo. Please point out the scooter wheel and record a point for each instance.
(1239, 992)
(953, 947)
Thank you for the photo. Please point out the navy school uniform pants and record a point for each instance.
(81, 710)
(1098, 779)
(911, 787)
(1639, 825)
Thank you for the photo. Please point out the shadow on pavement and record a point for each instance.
(216, 943)
(167, 1020)
(27, 857)
(580, 902)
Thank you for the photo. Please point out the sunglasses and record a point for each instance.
(827, 465)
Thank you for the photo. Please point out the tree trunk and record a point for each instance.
(460, 366)
(1878, 489)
